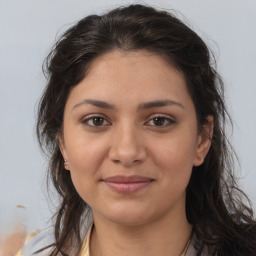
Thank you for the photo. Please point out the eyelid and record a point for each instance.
(91, 116)
(170, 119)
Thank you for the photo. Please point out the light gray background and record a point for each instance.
(27, 31)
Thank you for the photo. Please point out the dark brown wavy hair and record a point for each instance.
(219, 211)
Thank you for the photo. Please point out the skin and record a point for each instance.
(126, 141)
(10, 244)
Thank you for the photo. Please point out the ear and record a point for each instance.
(63, 151)
(204, 140)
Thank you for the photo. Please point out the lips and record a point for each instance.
(127, 184)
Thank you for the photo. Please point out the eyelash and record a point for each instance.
(165, 119)
(104, 120)
(91, 118)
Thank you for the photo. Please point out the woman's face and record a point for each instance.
(130, 138)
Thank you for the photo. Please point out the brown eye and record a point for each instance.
(160, 121)
(96, 121)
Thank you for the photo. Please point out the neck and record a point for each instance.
(165, 236)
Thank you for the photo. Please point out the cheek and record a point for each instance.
(176, 151)
(86, 152)
(85, 157)
(175, 157)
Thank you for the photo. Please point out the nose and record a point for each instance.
(127, 147)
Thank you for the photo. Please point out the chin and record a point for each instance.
(130, 221)
(130, 216)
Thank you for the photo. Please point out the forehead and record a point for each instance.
(132, 62)
(131, 77)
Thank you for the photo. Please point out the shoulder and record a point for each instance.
(191, 251)
(41, 240)
(243, 245)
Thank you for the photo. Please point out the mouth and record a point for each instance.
(127, 184)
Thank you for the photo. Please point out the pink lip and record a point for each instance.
(127, 184)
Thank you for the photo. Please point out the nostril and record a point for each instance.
(126, 150)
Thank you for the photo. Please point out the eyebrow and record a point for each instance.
(159, 103)
(96, 103)
(142, 106)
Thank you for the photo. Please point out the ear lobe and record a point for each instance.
(204, 142)
(62, 148)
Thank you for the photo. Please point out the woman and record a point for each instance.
(133, 117)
